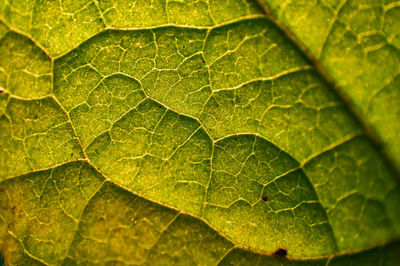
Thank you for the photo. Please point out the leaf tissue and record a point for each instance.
(200, 132)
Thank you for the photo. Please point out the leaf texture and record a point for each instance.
(357, 43)
(197, 133)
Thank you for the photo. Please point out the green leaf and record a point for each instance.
(199, 132)
(356, 44)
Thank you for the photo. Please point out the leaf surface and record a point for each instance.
(357, 44)
(192, 133)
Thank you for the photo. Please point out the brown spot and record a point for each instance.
(2, 189)
(13, 208)
(264, 198)
(280, 253)
(101, 218)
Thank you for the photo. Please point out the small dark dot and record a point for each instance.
(280, 253)
(264, 198)
(101, 218)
